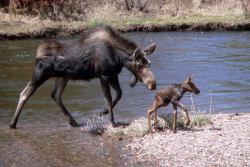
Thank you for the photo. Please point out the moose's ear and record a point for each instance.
(133, 81)
(150, 49)
(136, 53)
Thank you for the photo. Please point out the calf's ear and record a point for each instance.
(190, 78)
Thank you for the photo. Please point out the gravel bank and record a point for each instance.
(225, 143)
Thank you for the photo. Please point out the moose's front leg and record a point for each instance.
(116, 86)
(114, 82)
(184, 108)
(107, 94)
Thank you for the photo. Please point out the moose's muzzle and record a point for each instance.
(149, 79)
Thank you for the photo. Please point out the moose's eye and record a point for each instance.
(138, 63)
(149, 63)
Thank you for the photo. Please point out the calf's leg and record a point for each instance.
(155, 119)
(157, 104)
(174, 117)
(184, 109)
(150, 111)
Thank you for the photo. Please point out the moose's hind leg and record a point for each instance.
(40, 75)
(24, 96)
(57, 94)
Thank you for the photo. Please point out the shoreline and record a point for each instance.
(60, 31)
(224, 143)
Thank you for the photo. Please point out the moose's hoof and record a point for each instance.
(74, 124)
(115, 125)
(104, 112)
(12, 126)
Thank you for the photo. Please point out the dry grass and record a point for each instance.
(139, 128)
(169, 12)
(88, 13)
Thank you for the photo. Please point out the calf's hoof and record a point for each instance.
(187, 122)
(150, 131)
(174, 129)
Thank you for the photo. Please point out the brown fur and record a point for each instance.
(109, 35)
(100, 53)
(49, 48)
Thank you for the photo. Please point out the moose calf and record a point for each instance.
(172, 94)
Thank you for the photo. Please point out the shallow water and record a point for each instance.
(220, 62)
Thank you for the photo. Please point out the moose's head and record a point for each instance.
(139, 65)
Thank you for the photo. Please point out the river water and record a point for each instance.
(219, 61)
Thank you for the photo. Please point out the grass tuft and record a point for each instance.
(137, 128)
(201, 120)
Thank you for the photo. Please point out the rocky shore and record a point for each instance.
(225, 143)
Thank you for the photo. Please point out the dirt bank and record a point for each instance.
(225, 143)
(211, 26)
(38, 19)
(60, 31)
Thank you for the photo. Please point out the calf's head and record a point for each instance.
(189, 85)
(139, 65)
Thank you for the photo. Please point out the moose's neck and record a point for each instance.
(110, 35)
(128, 64)
(120, 42)
(178, 87)
(124, 44)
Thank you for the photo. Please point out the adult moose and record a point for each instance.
(100, 53)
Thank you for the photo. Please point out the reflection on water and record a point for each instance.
(220, 62)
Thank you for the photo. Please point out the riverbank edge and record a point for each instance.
(163, 148)
(60, 31)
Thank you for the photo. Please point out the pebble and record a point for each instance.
(228, 145)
